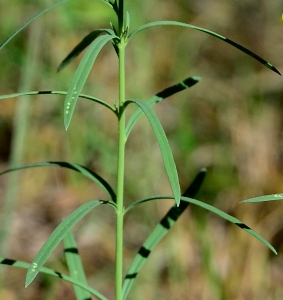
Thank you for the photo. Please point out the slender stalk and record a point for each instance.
(120, 177)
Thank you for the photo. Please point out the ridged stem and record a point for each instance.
(120, 176)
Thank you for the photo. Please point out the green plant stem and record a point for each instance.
(121, 169)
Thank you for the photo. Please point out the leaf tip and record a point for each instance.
(196, 78)
(66, 122)
(31, 274)
(178, 199)
(60, 67)
(270, 66)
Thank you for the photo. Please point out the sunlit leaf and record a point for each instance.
(25, 265)
(159, 232)
(165, 149)
(274, 197)
(175, 23)
(2, 97)
(30, 21)
(83, 44)
(214, 210)
(75, 266)
(186, 83)
(81, 76)
(81, 169)
(56, 237)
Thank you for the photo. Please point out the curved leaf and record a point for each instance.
(25, 265)
(166, 153)
(108, 2)
(85, 42)
(30, 21)
(2, 97)
(274, 197)
(175, 23)
(75, 265)
(81, 75)
(56, 237)
(81, 169)
(159, 232)
(186, 83)
(214, 210)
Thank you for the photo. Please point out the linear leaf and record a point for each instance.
(56, 237)
(186, 83)
(30, 21)
(81, 75)
(159, 232)
(175, 23)
(2, 97)
(214, 210)
(25, 265)
(274, 197)
(75, 266)
(127, 22)
(85, 42)
(81, 169)
(108, 3)
(166, 153)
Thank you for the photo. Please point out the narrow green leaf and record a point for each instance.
(186, 83)
(30, 21)
(213, 210)
(166, 153)
(2, 97)
(57, 236)
(81, 169)
(127, 23)
(274, 197)
(159, 232)
(81, 75)
(25, 265)
(175, 23)
(84, 43)
(75, 266)
(108, 3)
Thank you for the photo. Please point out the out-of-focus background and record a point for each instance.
(231, 122)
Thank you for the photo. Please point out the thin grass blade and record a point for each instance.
(83, 44)
(88, 97)
(25, 265)
(165, 149)
(75, 266)
(81, 169)
(274, 197)
(30, 21)
(236, 45)
(159, 232)
(212, 209)
(81, 75)
(56, 237)
(186, 83)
